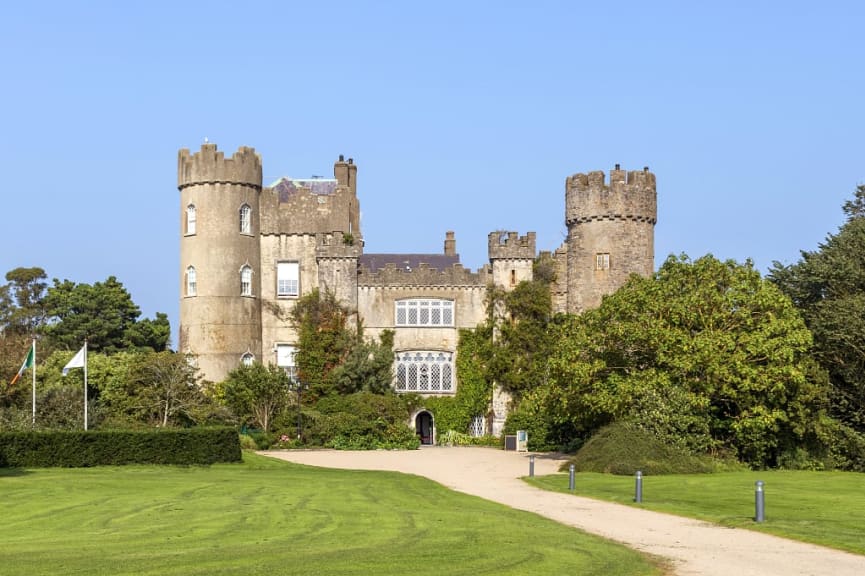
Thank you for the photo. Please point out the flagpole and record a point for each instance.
(33, 370)
(85, 383)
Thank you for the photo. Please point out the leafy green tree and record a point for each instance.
(706, 349)
(22, 309)
(166, 390)
(367, 366)
(104, 314)
(256, 393)
(523, 339)
(324, 340)
(828, 286)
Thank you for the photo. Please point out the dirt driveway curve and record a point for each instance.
(694, 547)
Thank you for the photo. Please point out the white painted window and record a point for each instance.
(190, 219)
(247, 359)
(424, 371)
(602, 261)
(285, 355)
(246, 280)
(245, 219)
(287, 279)
(191, 281)
(424, 312)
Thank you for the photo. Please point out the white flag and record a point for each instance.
(77, 360)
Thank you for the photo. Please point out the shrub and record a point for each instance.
(107, 447)
(247, 442)
(623, 448)
(361, 421)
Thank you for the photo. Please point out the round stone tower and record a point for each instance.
(220, 262)
(611, 233)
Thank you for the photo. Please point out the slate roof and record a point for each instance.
(375, 262)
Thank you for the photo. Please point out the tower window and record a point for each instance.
(190, 220)
(191, 281)
(287, 279)
(246, 280)
(513, 277)
(602, 261)
(245, 219)
(247, 359)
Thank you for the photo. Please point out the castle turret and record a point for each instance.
(511, 257)
(220, 264)
(611, 231)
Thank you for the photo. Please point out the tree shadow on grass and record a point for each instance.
(11, 472)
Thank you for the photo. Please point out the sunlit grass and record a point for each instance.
(825, 508)
(272, 517)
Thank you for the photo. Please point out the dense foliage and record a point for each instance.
(828, 286)
(256, 393)
(707, 355)
(98, 448)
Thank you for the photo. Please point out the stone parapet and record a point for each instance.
(630, 196)
(510, 245)
(209, 166)
(423, 275)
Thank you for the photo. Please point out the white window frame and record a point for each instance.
(425, 372)
(191, 281)
(602, 261)
(246, 219)
(287, 279)
(286, 357)
(246, 280)
(424, 312)
(190, 220)
(248, 359)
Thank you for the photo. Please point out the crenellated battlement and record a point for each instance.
(510, 245)
(455, 276)
(337, 244)
(209, 166)
(629, 196)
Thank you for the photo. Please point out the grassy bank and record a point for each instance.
(825, 508)
(271, 517)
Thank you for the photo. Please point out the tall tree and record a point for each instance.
(21, 301)
(705, 348)
(104, 314)
(828, 286)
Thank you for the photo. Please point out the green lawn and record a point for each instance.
(826, 508)
(270, 517)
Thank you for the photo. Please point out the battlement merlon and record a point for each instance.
(423, 276)
(209, 166)
(629, 196)
(510, 245)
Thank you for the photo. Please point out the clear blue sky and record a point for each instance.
(464, 116)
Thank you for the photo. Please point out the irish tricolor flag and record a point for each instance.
(28, 363)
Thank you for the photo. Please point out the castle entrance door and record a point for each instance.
(423, 425)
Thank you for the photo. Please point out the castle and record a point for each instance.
(249, 251)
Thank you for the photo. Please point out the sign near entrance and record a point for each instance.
(522, 441)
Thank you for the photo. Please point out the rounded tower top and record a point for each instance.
(629, 196)
(209, 166)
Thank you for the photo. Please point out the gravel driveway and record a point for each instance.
(693, 547)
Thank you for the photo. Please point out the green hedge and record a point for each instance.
(95, 448)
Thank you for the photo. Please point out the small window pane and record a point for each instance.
(246, 281)
(190, 219)
(191, 282)
(287, 279)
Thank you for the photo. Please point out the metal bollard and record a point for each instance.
(571, 479)
(638, 487)
(759, 503)
(532, 466)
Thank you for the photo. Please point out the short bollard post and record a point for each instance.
(759, 503)
(571, 478)
(638, 487)
(532, 466)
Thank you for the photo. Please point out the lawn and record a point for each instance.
(825, 508)
(271, 517)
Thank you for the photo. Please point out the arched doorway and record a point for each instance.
(423, 426)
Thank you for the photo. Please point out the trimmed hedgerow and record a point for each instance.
(72, 449)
